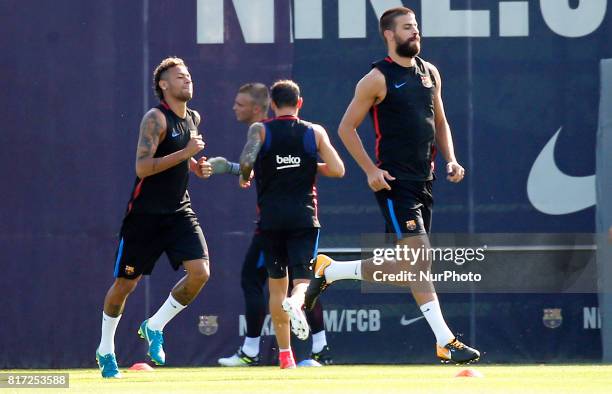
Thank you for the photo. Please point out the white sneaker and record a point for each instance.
(299, 324)
(239, 359)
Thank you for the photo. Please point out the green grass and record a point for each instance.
(345, 379)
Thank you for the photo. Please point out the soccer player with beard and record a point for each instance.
(402, 93)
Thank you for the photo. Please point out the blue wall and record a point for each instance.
(76, 82)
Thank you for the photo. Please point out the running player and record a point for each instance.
(159, 217)
(251, 105)
(402, 92)
(283, 152)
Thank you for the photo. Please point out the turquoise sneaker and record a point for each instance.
(108, 365)
(155, 340)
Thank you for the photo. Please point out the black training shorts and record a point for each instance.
(406, 207)
(290, 250)
(144, 237)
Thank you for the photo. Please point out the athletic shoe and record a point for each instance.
(457, 352)
(299, 324)
(286, 360)
(323, 357)
(239, 359)
(155, 339)
(108, 365)
(319, 283)
(309, 362)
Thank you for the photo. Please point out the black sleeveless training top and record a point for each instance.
(404, 121)
(285, 175)
(166, 192)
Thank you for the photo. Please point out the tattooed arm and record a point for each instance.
(255, 138)
(152, 132)
(220, 165)
(196, 166)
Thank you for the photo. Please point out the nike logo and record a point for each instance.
(175, 133)
(551, 191)
(399, 85)
(405, 322)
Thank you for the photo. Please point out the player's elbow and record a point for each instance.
(344, 131)
(141, 170)
(337, 170)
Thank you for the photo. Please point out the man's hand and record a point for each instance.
(220, 165)
(195, 145)
(245, 183)
(377, 179)
(455, 172)
(203, 169)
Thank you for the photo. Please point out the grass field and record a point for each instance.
(344, 379)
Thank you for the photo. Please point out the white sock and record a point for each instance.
(433, 315)
(343, 270)
(250, 347)
(318, 341)
(107, 341)
(168, 310)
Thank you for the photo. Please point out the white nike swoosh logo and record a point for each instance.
(405, 322)
(551, 191)
(175, 134)
(397, 86)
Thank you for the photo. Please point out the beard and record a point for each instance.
(184, 96)
(408, 48)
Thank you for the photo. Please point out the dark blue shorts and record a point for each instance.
(145, 237)
(289, 252)
(407, 207)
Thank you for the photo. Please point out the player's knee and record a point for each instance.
(200, 273)
(126, 286)
(278, 295)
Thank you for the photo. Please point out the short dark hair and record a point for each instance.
(285, 93)
(387, 19)
(259, 93)
(158, 74)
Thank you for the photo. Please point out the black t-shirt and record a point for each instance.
(285, 175)
(166, 191)
(404, 121)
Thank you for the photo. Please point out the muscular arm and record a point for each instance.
(193, 163)
(369, 91)
(255, 138)
(152, 132)
(444, 138)
(332, 165)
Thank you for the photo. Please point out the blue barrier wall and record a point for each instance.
(77, 77)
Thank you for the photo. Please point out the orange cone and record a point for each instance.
(141, 367)
(469, 373)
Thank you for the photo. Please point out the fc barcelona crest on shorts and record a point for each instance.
(411, 225)
(552, 317)
(208, 325)
(426, 81)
